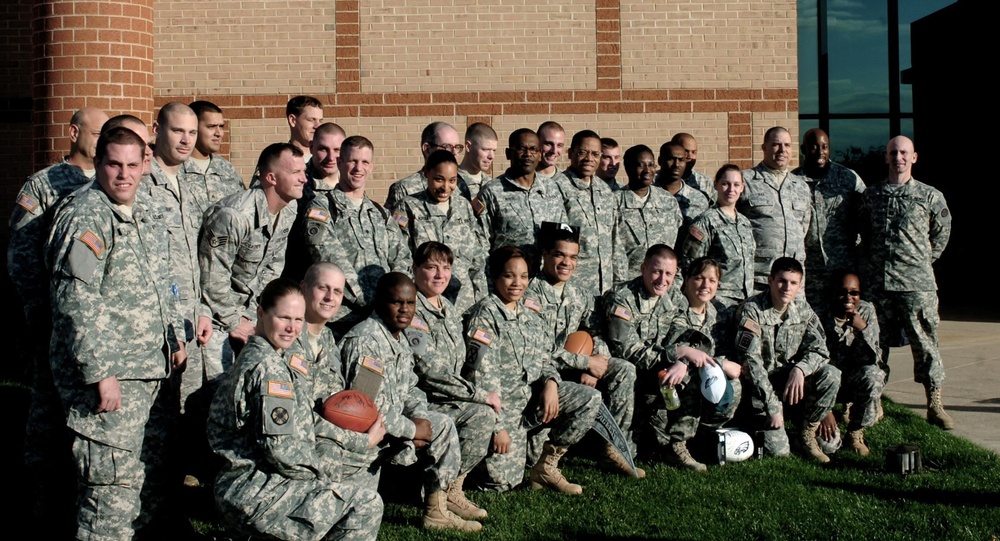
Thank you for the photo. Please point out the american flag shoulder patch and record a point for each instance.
(477, 206)
(299, 365)
(93, 242)
(533, 304)
(420, 324)
(281, 389)
(751, 326)
(482, 337)
(27, 202)
(373, 364)
(400, 218)
(697, 233)
(622, 312)
(319, 215)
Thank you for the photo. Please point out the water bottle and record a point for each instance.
(670, 397)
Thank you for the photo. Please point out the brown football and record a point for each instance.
(580, 343)
(351, 410)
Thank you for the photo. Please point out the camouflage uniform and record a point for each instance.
(780, 216)
(859, 358)
(832, 240)
(639, 331)
(421, 220)
(768, 345)
(904, 230)
(370, 346)
(405, 187)
(113, 315)
(566, 313)
(297, 258)
(46, 440)
(261, 424)
(591, 207)
(692, 204)
(509, 354)
(217, 181)
(730, 243)
(240, 250)
(642, 224)
(435, 336)
(511, 214)
(704, 184)
(341, 454)
(360, 241)
(473, 183)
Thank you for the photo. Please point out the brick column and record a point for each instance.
(93, 53)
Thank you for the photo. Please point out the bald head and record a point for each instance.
(323, 289)
(815, 151)
(900, 157)
(84, 129)
(176, 130)
(690, 145)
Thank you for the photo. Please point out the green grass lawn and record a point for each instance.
(957, 496)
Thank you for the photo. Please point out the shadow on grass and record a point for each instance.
(930, 495)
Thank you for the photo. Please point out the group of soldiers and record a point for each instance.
(180, 312)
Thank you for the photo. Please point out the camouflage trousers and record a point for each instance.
(578, 407)
(617, 388)
(474, 423)
(862, 387)
(682, 423)
(821, 391)
(917, 313)
(441, 458)
(296, 509)
(120, 488)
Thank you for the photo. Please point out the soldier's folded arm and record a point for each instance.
(218, 245)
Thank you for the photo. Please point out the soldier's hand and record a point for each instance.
(827, 427)
(493, 401)
(376, 432)
(731, 369)
(109, 393)
(675, 374)
(424, 432)
(777, 420)
(501, 442)
(204, 331)
(597, 365)
(696, 357)
(588, 380)
(243, 331)
(550, 401)
(178, 360)
(795, 388)
(858, 322)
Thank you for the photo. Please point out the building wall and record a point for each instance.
(632, 70)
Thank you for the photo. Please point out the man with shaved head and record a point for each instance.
(831, 243)
(695, 179)
(905, 225)
(436, 136)
(46, 443)
(480, 151)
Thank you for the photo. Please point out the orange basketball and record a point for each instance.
(351, 410)
(580, 343)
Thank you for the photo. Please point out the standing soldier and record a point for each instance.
(778, 204)
(114, 320)
(695, 179)
(436, 136)
(906, 225)
(591, 207)
(671, 178)
(480, 151)
(345, 227)
(214, 175)
(832, 241)
(551, 141)
(242, 248)
(611, 160)
(46, 443)
(304, 114)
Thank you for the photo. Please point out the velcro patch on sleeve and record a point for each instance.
(482, 337)
(218, 240)
(299, 365)
(27, 202)
(744, 339)
(533, 304)
(281, 389)
(478, 206)
(751, 325)
(419, 324)
(622, 313)
(319, 215)
(93, 242)
(373, 364)
(697, 233)
(400, 218)
(417, 339)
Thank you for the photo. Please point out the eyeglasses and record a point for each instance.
(529, 150)
(454, 149)
(584, 153)
(851, 292)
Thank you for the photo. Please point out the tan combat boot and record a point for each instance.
(810, 444)
(545, 472)
(856, 441)
(614, 461)
(460, 505)
(935, 409)
(847, 413)
(438, 517)
(879, 412)
(679, 455)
